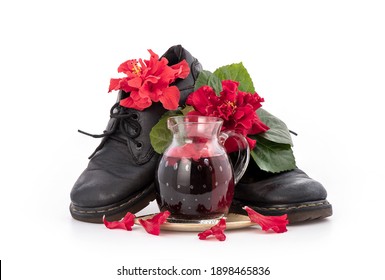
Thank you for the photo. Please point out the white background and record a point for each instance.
(320, 65)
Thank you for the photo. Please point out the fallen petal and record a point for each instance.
(276, 223)
(125, 223)
(217, 231)
(204, 234)
(152, 226)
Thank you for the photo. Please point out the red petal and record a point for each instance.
(152, 79)
(153, 56)
(230, 85)
(217, 231)
(276, 223)
(136, 102)
(114, 84)
(258, 126)
(203, 235)
(231, 145)
(229, 91)
(239, 114)
(125, 223)
(127, 66)
(148, 89)
(251, 142)
(170, 98)
(183, 69)
(191, 150)
(202, 98)
(160, 218)
(126, 102)
(135, 82)
(152, 226)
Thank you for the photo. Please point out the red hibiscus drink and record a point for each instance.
(195, 190)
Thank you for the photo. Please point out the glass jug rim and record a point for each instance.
(175, 120)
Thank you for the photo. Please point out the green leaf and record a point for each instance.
(273, 157)
(160, 135)
(278, 131)
(236, 72)
(207, 78)
(186, 110)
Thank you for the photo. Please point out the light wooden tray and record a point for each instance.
(233, 221)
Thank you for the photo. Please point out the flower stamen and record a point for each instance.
(231, 104)
(136, 69)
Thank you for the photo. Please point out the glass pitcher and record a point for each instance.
(195, 179)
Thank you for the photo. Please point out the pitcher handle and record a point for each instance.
(243, 152)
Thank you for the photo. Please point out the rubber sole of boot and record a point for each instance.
(116, 211)
(296, 212)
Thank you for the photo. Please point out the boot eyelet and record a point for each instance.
(139, 146)
(135, 116)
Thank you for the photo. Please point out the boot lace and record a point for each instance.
(124, 118)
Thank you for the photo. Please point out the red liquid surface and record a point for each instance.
(195, 189)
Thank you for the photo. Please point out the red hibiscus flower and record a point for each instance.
(149, 81)
(236, 108)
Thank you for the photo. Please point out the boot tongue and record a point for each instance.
(176, 54)
(122, 95)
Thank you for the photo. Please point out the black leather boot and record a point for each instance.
(293, 193)
(120, 175)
